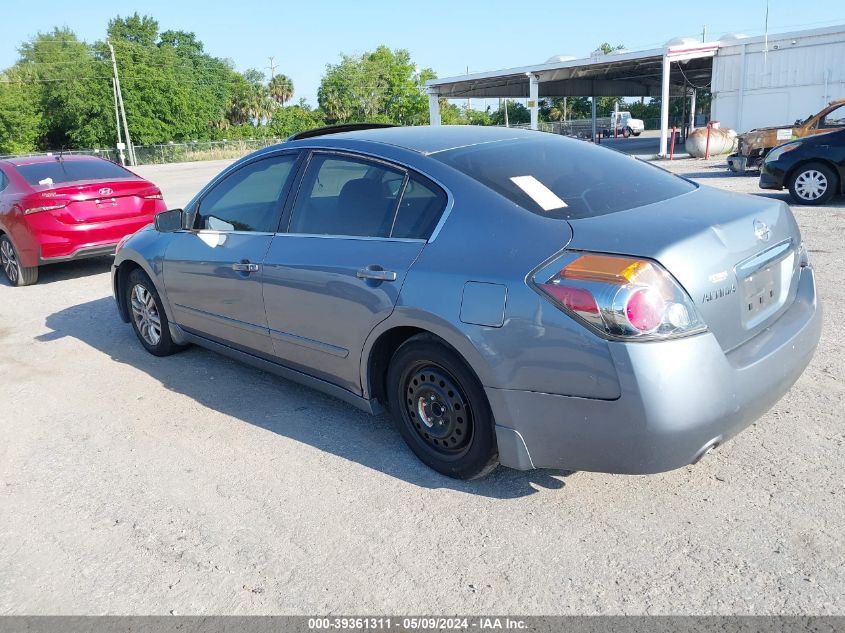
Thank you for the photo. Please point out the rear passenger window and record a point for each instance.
(347, 196)
(420, 209)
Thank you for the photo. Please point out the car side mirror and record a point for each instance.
(170, 221)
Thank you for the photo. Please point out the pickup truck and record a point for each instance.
(754, 145)
(626, 124)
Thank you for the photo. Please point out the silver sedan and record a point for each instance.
(510, 297)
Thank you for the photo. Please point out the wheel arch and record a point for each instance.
(823, 161)
(392, 333)
(124, 268)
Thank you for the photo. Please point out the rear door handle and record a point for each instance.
(376, 273)
(245, 267)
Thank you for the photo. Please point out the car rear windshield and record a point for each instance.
(69, 170)
(564, 178)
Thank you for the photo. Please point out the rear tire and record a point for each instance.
(147, 315)
(17, 274)
(441, 410)
(813, 184)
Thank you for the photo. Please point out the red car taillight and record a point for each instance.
(624, 297)
(154, 196)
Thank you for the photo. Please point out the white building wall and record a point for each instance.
(795, 77)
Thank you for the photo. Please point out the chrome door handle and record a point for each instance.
(376, 274)
(245, 267)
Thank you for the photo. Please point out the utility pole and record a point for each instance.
(704, 33)
(272, 67)
(120, 105)
(469, 101)
(117, 121)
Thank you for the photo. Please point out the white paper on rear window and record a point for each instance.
(538, 192)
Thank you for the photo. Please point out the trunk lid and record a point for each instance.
(98, 200)
(735, 255)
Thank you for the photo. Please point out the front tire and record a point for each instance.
(17, 274)
(147, 315)
(813, 184)
(441, 410)
(626, 132)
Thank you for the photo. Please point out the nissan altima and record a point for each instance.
(510, 297)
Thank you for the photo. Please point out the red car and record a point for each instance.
(60, 208)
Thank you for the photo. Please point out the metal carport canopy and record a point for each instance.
(627, 74)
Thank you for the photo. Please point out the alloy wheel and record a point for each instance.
(145, 314)
(811, 184)
(9, 261)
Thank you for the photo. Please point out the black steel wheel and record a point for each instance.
(441, 409)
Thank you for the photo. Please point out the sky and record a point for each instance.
(449, 37)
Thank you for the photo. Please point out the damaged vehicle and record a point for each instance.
(509, 297)
(753, 146)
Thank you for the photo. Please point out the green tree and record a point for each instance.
(142, 30)
(281, 89)
(381, 85)
(75, 93)
(517, 114)
(21, 121)
(292, 119)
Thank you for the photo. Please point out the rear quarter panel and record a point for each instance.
(488, 239)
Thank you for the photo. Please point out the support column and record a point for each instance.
(593, 117)
(664, 107)
(692, 110)
(534, 99)
(433, 107)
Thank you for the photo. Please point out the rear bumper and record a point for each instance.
(678, 398)
(54, 241)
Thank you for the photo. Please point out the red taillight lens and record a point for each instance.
(620, 296)
(644, 309)
(154, 196)
(576, 299)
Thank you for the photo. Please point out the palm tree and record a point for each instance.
(281, 89)
(259, 104)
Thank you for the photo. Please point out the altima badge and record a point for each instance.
(761, 230)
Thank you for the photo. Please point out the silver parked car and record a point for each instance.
(509, 296)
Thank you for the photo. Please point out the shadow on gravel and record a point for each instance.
(52, 273)
(278, 405)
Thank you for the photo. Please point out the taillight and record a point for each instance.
(619, 296)
(45, 207)
(154, 196)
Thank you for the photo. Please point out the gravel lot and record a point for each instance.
(193, 485)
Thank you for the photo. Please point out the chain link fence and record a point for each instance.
(169, 152)
(225, 149)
